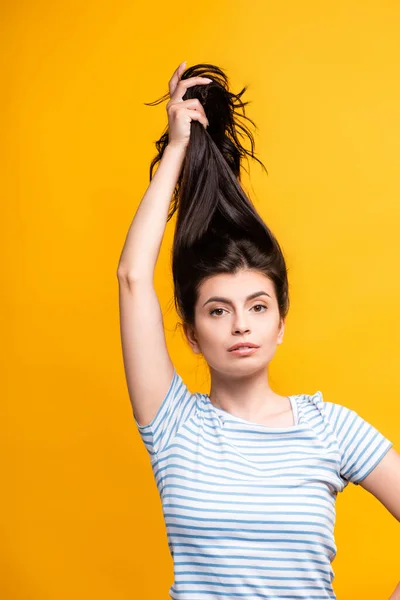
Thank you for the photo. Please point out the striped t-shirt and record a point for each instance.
(250, 509)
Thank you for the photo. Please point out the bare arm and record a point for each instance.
(384, 482)
(147, 364)
(142, 246)
(396, 594)
(148, 367)
(143, 242)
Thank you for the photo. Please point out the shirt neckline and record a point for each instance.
(224, 415)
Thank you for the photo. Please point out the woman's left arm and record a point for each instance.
(384, 482)
(396, 593)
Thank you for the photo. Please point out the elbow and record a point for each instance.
(128, 276)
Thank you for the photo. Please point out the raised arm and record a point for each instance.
(148, 367)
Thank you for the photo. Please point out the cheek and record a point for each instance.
(213, 335)
(211, 331)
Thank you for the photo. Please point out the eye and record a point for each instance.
(213, 311)
(262, 306)
(255, 306)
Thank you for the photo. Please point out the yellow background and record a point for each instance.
(80, 515)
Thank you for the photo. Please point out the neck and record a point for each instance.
(248, 397)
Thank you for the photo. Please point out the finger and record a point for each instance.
(195, 115)
(176, 77)
(184, 84)
(193, 103)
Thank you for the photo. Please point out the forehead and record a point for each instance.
(236, 286)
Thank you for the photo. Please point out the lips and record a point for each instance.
(242, 345)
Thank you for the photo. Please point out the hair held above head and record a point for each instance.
(218, 229)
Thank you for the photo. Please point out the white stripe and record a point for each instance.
(249, 509)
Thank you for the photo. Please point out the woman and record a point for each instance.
(248, 478)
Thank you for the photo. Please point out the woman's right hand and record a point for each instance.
(182, 112)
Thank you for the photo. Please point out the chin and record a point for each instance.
(240, 366)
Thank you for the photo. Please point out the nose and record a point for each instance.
(240, 326)
(241, 331)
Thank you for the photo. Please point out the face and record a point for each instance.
(220, 323)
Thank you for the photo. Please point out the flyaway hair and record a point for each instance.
(218, 229)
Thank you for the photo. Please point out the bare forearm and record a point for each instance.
(396, 593)
(142, 245)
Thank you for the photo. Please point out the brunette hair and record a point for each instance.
(218, 229)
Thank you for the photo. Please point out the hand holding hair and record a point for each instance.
(182, 112)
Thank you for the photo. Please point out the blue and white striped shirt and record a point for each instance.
(250, 509)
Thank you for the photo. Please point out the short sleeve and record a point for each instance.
(178, 406)
(361, 445)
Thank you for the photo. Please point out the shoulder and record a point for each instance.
(337, 416)
(346, 423)
(330, 409)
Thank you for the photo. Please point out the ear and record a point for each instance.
(281, 330)
(191, 338)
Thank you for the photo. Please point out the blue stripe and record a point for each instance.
(245, 504)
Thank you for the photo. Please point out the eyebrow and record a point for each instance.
(227, 301)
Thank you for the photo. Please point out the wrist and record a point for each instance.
(176, 147)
